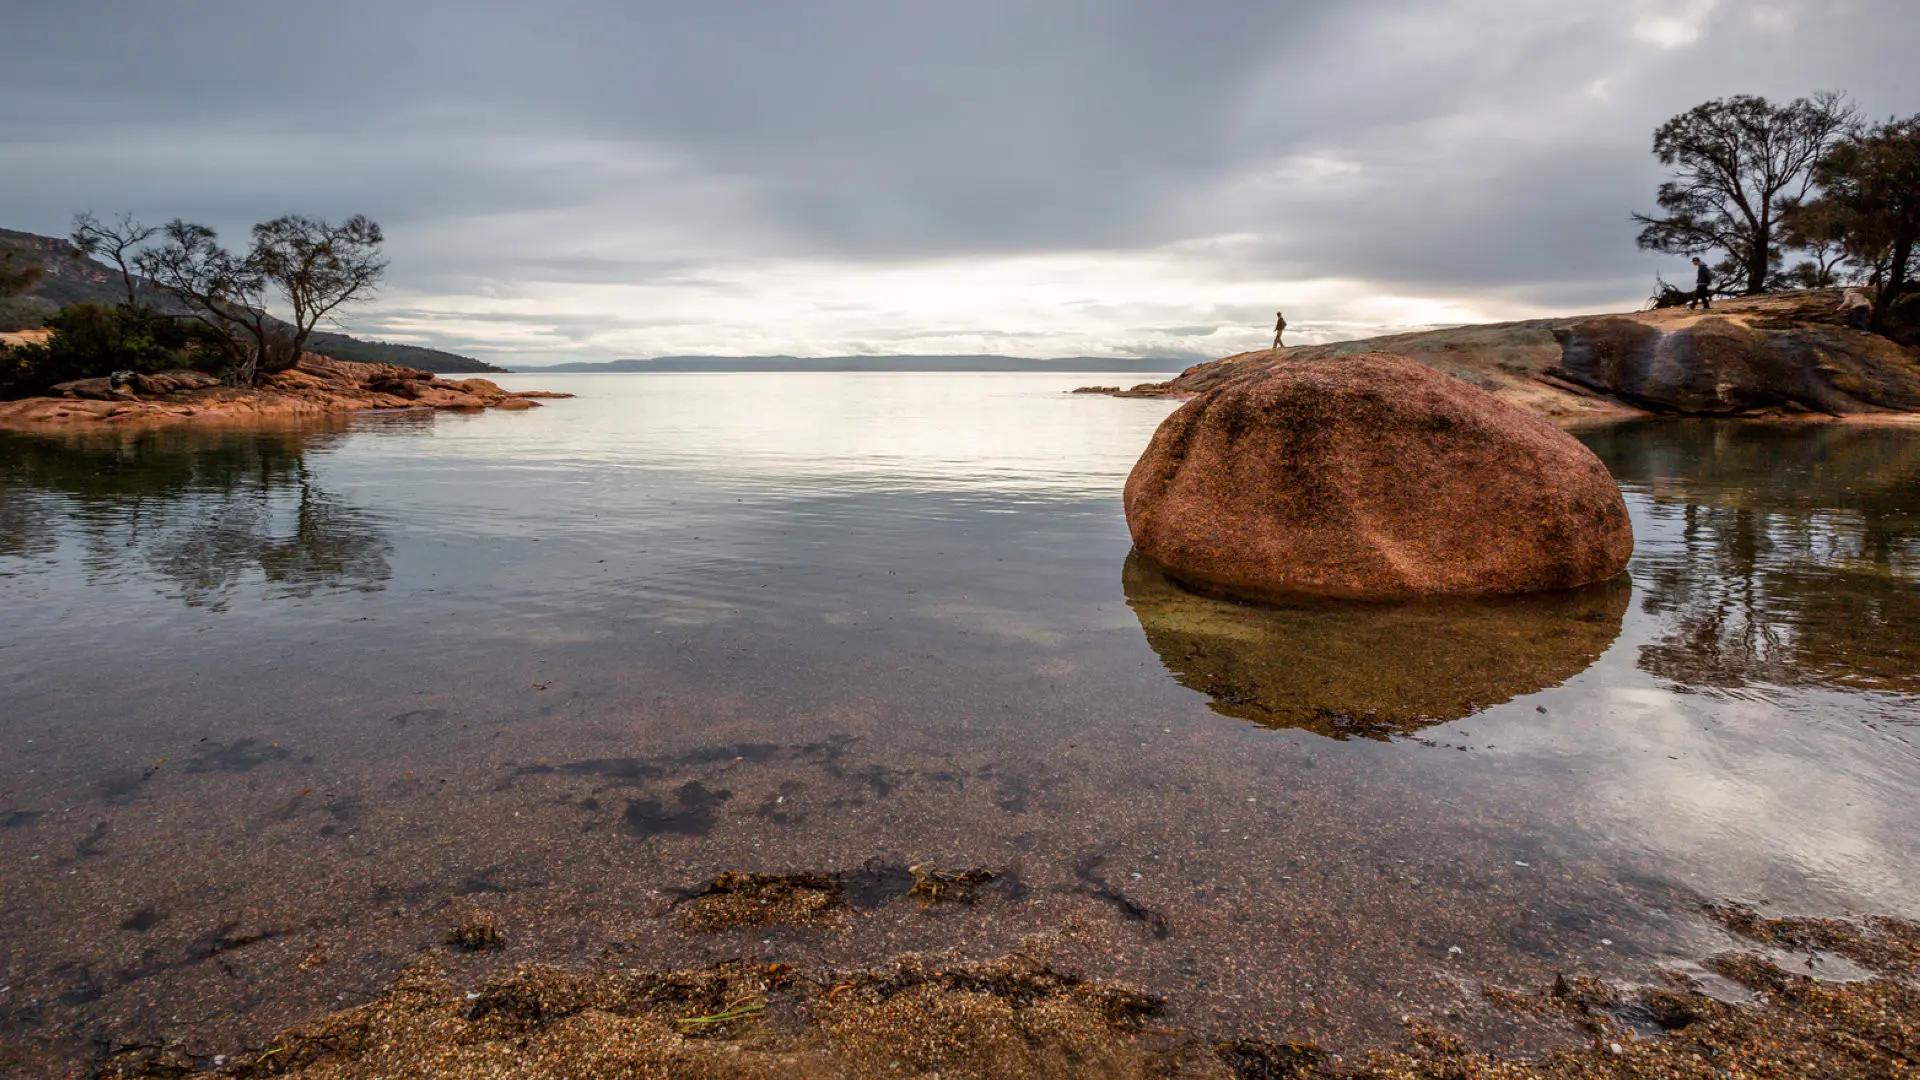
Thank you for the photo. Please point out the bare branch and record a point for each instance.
(118, 240)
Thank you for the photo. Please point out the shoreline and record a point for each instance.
(317, 386)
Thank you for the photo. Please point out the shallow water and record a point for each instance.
(277, 703)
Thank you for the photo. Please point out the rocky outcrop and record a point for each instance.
(104, 388)
(1783, 354)
(1371, 477)
(1725, 366)
(1139, 390)
(173, 382)
(99, 388)
(315, 386)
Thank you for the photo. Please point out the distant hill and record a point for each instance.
(877, 363)
(70, 278)
(342, 347)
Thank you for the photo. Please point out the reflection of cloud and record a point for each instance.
(1017, 440)
(1344, 669)
(1731, 748)
(1771, 797)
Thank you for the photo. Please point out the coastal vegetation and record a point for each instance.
(1753, 180)
(120, 296)
(195, 305)
(313, 267)
(1739, 164)
(1870, 208)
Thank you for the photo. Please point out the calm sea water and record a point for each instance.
(274, 705)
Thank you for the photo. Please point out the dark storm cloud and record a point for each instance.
(1458, 147)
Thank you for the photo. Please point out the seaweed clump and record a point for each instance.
(476, 931)
(1020, 1018)
(740, 899)
(1012, 1019)
(931, 886)
(1886, 945)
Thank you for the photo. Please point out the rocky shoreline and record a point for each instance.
(316, 386)
(1781, 356)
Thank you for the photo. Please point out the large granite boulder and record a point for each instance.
(1371, 477)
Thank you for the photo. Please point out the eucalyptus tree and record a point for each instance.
(1738, 164)
(312, 266)
(1870, 188)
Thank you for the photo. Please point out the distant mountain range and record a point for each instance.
(71, 277)
(876, 363)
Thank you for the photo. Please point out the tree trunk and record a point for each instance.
(1895, 282)
(1757, 264)
(246, 368)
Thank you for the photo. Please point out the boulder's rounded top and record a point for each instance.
(1372, 476)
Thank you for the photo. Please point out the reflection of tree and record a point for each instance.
(1777, 554)
(25, 530)
(1375, 670)
(204, 509)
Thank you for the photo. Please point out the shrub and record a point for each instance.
(92, 339)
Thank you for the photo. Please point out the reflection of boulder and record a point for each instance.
(1343, 668)
(1372, 477)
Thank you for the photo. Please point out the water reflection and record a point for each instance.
(1776, 554)
(203, 511)
(1371, 670)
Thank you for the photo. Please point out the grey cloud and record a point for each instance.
(1498, 144)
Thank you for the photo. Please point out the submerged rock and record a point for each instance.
(1371, 477)
(1344, 669)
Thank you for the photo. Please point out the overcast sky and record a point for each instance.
(609, 178)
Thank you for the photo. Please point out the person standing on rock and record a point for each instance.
(1279, 327)
(1857, 308)
(1702, 286)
